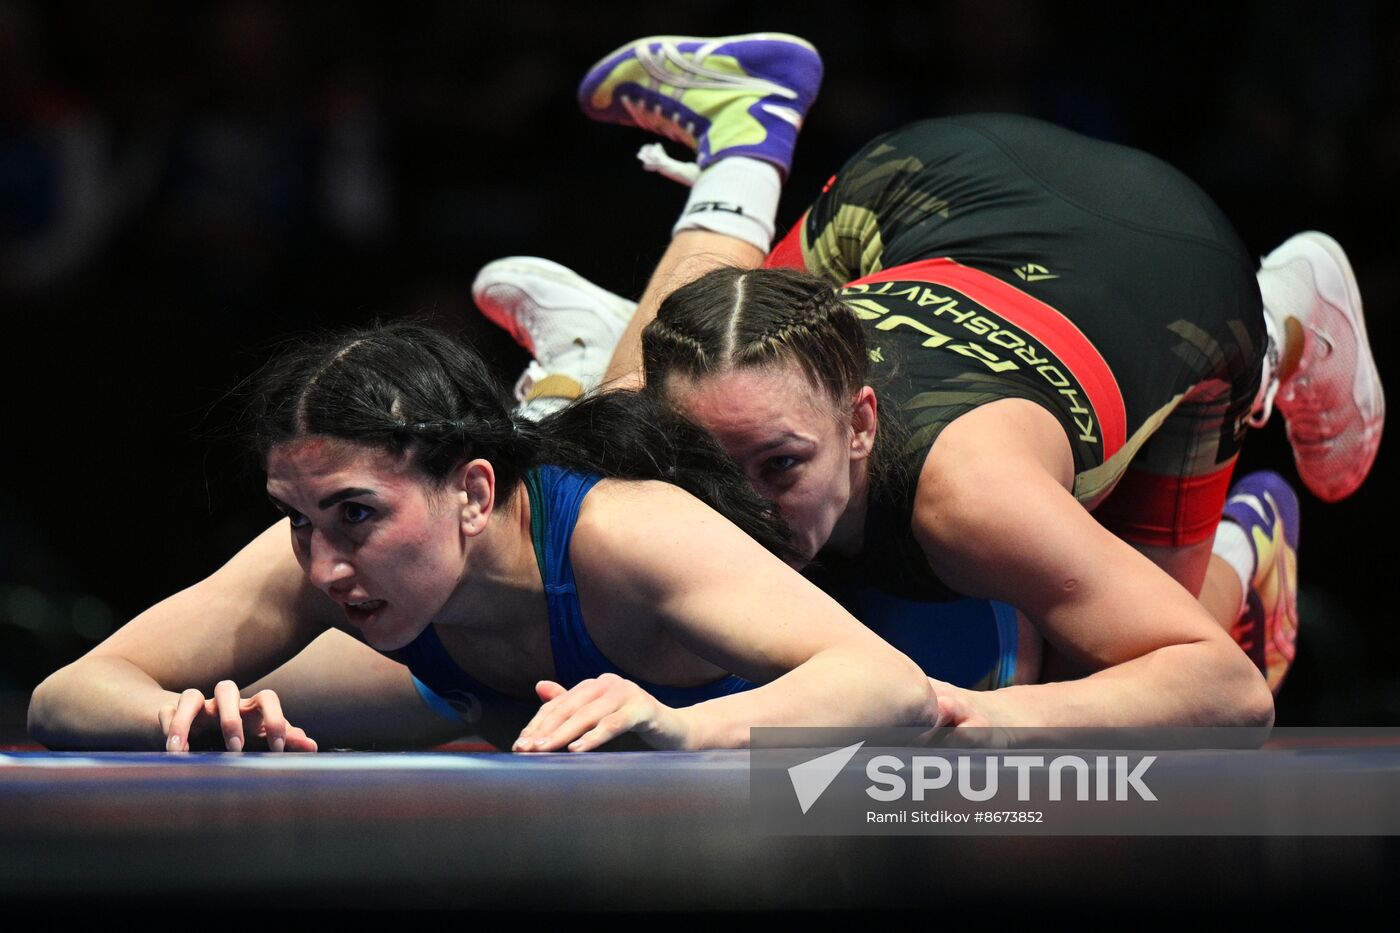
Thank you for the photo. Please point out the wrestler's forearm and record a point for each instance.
(99, 702)
(835, 688)
(1193, 684)
(691, 254)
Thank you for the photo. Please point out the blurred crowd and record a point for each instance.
(182, 184)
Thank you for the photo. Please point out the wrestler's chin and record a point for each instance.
(797, 563)
(381, 629)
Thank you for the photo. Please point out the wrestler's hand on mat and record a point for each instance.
(595, 712)
(969, 717)
(958, 706)
(259, 716)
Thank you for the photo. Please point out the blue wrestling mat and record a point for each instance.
(624, 831)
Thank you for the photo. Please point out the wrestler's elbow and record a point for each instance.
(59, 710)
(1244, 696)
(1257, 703)
(45, 705)
(917, 698)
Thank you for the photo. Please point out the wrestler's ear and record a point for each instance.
(474, 491)
(864, 422)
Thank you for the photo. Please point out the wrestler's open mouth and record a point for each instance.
(361, 613)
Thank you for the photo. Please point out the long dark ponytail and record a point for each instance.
(415, 392)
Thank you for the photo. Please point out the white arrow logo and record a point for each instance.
(811, 778)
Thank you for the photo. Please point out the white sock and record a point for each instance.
(737, 197)
(1232, 546)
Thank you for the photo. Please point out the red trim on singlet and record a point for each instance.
(1039, 320)
(787, 252)
(1166, 511)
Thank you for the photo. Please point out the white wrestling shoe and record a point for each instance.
(569, 325)
(1332, 403)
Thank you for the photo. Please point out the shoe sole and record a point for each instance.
(533, 267)
(1342, 293)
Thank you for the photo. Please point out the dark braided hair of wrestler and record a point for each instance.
(732, 318)
(414, 391)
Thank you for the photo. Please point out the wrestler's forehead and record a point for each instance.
(317, 460)
(750, 401)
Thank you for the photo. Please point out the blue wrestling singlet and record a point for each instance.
(555, 497)
(966, 642)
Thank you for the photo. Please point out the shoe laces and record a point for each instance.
(687, 73)
(1257, 419)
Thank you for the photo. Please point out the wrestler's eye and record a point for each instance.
(780, 464)
(298, 520)
(355, 512)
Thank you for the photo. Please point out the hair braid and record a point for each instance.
(781, 316)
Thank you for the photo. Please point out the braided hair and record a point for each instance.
(415, 392)
(731, 318)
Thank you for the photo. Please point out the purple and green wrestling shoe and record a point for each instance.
(728, 96)
(1265, 506)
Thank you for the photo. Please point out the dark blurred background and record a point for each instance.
(183, 184)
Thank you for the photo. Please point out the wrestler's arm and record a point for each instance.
(995, 518)
(251, 615)
(662, 555)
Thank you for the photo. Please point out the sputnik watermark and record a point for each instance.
(810, 779)
(1112, 777)
(1162, 782)
(1104, 778)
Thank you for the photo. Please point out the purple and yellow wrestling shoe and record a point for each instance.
(1265, 506)
(728, 96)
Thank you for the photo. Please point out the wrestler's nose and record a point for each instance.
(329, 565)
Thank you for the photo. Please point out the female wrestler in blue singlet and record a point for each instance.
(429, 522)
